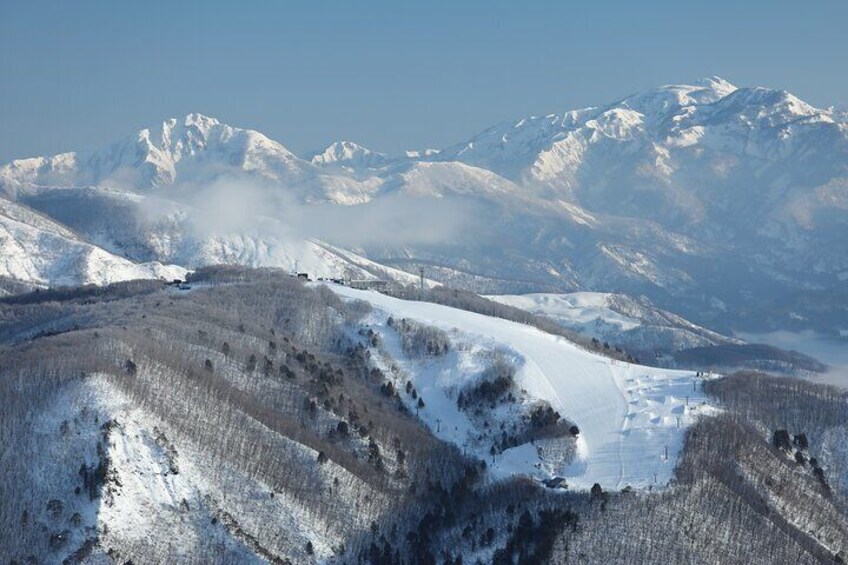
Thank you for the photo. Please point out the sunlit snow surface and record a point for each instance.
(575, 308)
(627, 414)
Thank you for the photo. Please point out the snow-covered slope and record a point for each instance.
(219, 228)
(628, 415)
(37, 251)
(153, 493)
(349, 156)
(657, 337)
(635, 324)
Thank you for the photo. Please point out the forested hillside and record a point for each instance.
(248, 416)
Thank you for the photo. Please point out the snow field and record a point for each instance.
(203, 506)
(575, 307)
(632, 418)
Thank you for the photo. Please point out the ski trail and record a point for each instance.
(624, 427)
(626, 413)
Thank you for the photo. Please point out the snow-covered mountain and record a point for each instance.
(37, 251)
(674, 146)
(710, 199)
(748, 168)
(143, 229)
(194, 150)
(349, 156)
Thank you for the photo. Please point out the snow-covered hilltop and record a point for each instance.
(634, 324)
(667, 193)
(657, 337)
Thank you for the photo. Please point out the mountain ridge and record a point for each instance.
(664, 192)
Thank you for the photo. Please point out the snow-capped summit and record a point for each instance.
(772, 107)
(669, 146)
(716, 83)
(348, 154)
(550, 148)
(154, 157)
(669, 98)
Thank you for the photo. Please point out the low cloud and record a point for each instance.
(391, 220)
(233, 204)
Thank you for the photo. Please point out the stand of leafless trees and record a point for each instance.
(256, 383)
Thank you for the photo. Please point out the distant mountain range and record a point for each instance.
(716, 202)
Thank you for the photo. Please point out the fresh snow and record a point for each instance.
(575, 307)
(627, 414)
(349, 156)
(153, 494)
(38, 251)
(633, 323)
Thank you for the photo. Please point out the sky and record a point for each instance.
(389, 75)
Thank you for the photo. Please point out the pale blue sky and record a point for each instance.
(390, 75)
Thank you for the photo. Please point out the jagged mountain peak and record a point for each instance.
(348, 153)
(515, 148)
(194, 121)
(151, 157)
(648, 127)
(199, 120)
(192, 125)
(195, 132)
